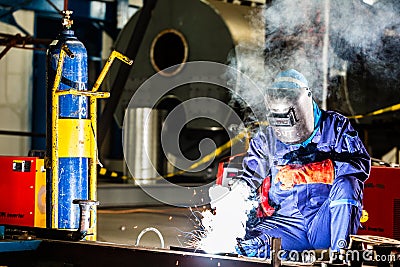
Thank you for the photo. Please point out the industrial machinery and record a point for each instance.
(23, 187)
(177, 33)
(382, 203)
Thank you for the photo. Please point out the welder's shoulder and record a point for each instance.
(331, 116)
(264, 134)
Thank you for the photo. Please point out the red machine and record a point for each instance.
(22, 191)
(229, 168)
(381, 215)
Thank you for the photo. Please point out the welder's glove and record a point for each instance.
(316, 172)
(265, 209)
(255, 247)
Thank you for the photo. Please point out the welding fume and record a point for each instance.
(306, 169)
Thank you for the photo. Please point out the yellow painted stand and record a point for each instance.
(83, 130)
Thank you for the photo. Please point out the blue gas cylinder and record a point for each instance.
(73, 170)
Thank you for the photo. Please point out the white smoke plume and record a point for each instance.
(318, 38)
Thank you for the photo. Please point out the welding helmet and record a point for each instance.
(290, 107)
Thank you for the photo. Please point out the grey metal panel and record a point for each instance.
(116, 195)
(211, 30)
(120, 195)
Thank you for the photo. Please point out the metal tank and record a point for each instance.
(183, 31)
(143, 136)
(178, 32)
(72, 168)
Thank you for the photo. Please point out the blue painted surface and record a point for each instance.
(2, 231)
(74, 75)
(72, 171)
(72, 184)
(19, 245)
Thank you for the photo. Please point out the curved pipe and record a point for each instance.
(148, 229)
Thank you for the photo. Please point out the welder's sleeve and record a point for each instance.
(255, 163)
(351, 158)
(296, 174)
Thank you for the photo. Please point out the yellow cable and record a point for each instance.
(377, 112)
(218, 151)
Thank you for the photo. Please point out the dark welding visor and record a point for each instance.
(287, 119)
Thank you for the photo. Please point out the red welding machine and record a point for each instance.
(381, 212)
(22, 191)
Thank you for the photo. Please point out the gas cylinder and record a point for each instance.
(73, 171)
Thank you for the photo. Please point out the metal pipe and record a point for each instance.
(325, 56)
(84, 93)
(114, 54)
(85, 207)
(148, 229)
(19, 133)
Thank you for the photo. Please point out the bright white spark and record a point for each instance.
(229, 221)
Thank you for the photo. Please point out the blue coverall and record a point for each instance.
(317, 215)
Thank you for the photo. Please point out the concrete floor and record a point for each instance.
(123, 226)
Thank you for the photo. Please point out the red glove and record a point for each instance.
(265, 209)
(316, 172)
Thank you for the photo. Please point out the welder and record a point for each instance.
(309, 166)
